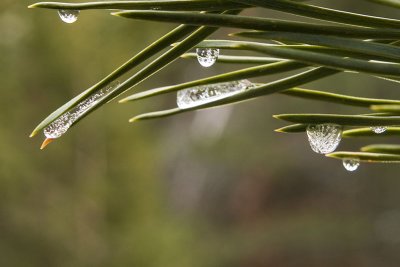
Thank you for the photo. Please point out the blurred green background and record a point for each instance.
(211, 188)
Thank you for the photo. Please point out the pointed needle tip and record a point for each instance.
(127, 99)
(118, 14)
(46, 142)
(374, 107)
(32, 134)
(330, 155)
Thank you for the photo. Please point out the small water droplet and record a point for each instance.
(207, 56)
(110, 87)
(61, 125)
(351, 164)
(203, 94)
(379, 129)
(324, 138)
(68, 15)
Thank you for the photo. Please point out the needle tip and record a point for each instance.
(46, 142)
(33, 133)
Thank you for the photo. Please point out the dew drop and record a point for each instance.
(58, 127)
(379, 129)
(207, 56)
(203, 94)
(351, 164)
(324, 138)
(68, 15)
(110, 87)
(61, 125)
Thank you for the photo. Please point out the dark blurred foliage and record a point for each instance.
(212, 188)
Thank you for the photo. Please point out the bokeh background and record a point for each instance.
(210, 188)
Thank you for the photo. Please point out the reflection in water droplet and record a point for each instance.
(203, 94)
(61, 125)
(324, 138)
(351, 164)
(68, 15)
(207, 56)
(379, 129)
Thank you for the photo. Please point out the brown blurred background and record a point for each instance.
(211, 188)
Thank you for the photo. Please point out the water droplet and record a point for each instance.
(68, 15)
(58, 127)
(203, 94)
(207, 56)
(379, 129)
(324, 138)
(61, 125)
(110, 87)
(351, 164)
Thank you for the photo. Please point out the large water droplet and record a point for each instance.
(379, 129)
(203, 94)
(61, 125)
(68, 15)
(351, 164)
(324, 138)
(207, 56)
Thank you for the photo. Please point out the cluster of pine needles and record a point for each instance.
(336, 41)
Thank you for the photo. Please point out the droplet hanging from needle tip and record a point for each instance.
(46, 142)
(68, 16)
